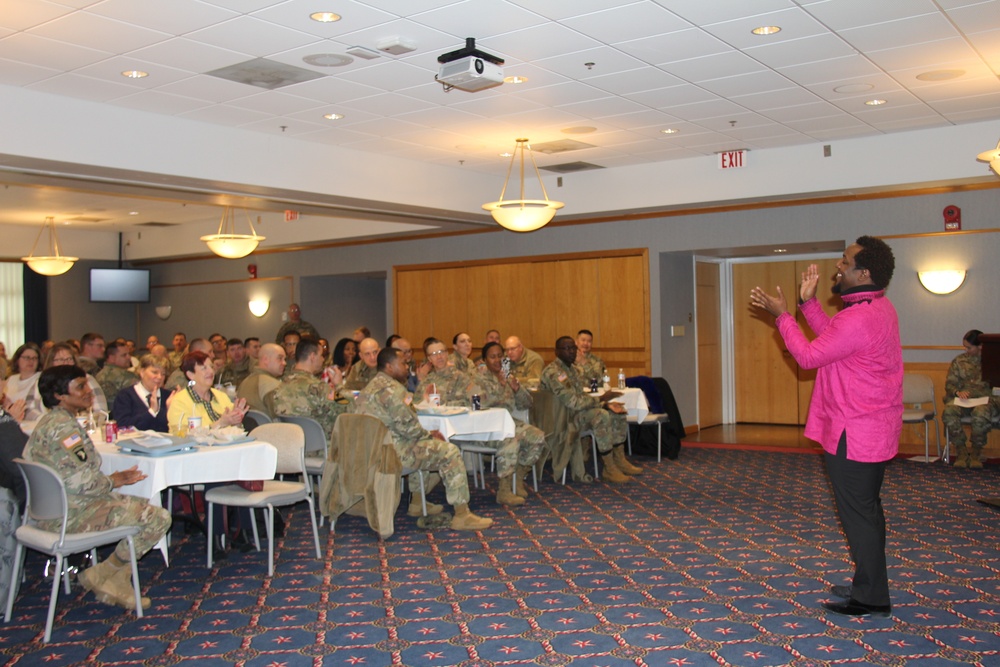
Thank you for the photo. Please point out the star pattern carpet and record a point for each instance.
(720, 558)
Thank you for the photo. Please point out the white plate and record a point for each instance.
(443, 411)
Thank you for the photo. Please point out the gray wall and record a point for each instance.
(924, 320)
(337, 305)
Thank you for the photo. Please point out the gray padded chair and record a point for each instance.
(920, 407)
(47, 500)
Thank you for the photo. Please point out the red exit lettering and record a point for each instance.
(732, 159)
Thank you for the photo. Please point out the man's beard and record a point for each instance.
(837, 286)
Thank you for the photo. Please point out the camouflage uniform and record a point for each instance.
(454, 386)
(235, 374)
(175, 359)
(302, 327)
(966, 374)
(255, 389)
(526, 445)
(591, 367)
(388, 400)
(610, 428)
(359, 377)
(60, 442)
(113, 379)
(303, 394)
(529, 368)
(461, 363)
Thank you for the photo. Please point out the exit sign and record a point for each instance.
(291, 216)
(733, 159)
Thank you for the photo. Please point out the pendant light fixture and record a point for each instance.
(523, 215)
(53, 264)
(993, 157)
(227, 243)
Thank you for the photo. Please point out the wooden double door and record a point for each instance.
(770, 387)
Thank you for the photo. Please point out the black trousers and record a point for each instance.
(857, 491)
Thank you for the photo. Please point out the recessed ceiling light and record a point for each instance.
(670, 130)
(324, 17)
(874, 103)
(766, 30)
(941, 75)
(327, 59)
(580, 129)
(780, 250)
(133, 212)
(333, 116)
(515, 79)
(134, 74)
(854, 88)
(505, 154)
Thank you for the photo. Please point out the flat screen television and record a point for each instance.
(119, 285)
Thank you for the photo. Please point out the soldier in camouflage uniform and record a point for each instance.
(386, 398)
(303, 394)
(452, 385)
(365, 368)
(116, 375)
(588, 365)
(965, 380)
(605, 419)
(59, 442)
(525, 364)
(516, 455)
(238, 367)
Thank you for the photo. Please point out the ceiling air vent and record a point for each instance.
(157, 224)
(86, 218)
(570, 167)
(265, 73)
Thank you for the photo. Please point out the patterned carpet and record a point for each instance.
(719, 558)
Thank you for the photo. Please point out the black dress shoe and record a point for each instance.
(842, 591)
(854, 608)
(219, 552)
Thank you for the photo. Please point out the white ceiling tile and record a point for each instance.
(794, 22)
(731, 63)
(562, 94)
(490, 103)
(747, 84)
(775, 99)
(665, 97)
(681, 45)
(386, 103)
(607, 106)
(844, 14)
(742, 119)
(20, 74)
(189, 55)
(627, 22)
(987, 44)
(241, 6)
(650, 124)
(438, 117)
(479, 18)
(856, 104)
(702, 13)
(331, 90)
(280, 127)
(390, 75)
(702, 111)
(606, 61)
(971, 116)
(831, 134)
(959, 88)
(891, 113)
(815, 48)
(796, 139)
(250, 35)
(211, 88)
(932, 55)
(175, 17)
(83, 87)
(760, 132)
(904, 32)
(537, 42)
(405, 7)
(881, 85)
(977, 17)
(295, 14)
(910, 123)
(50, 53)
(989, 104)
(224, 114)
(811, 126)
(96, 32)
(277, 103)
(156, 102)
(23, 14)
(635, 81)
(111, 69)
(802, 112)
(837, 69)
(424, 38)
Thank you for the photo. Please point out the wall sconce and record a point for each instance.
(941, 282)
(259, 307)
(993, 157)
(163, 312)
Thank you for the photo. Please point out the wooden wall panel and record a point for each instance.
(413, 305)
(450, 298)
(709, 298)
(537, 299)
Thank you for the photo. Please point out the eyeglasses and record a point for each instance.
(28, 357)
(434, 354)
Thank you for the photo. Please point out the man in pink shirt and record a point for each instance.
(857, 404)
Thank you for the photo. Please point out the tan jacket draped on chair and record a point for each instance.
(362, 474)
(561, 435)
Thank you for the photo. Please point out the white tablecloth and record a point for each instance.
(634, 401)
(489, 424)
(221, 463)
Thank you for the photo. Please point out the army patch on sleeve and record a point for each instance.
(562, 377)
(72, 441)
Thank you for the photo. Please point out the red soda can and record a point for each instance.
(110, 431)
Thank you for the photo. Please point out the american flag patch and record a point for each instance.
(72, 441)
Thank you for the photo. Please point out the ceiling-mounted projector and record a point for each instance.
(469, 69)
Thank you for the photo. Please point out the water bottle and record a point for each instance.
(606, 379)
(621, 378)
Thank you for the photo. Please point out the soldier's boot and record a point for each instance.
(623, 463)
(415, 508)
(611, 471)
(961, 456)
(975, 456)
(521, 472)
(466, 520)
(104, 580)
(124, 578)
(506, 495)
